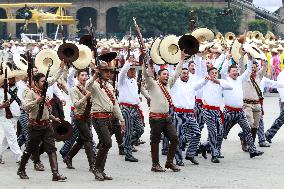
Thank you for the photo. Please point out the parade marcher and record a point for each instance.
(81, 99)
(253, 100)
(183, 96)
(40, 131)
(129, 103)
(104, 108)
(213, 116)
(279, 121)
(160, 119)
(233, 99)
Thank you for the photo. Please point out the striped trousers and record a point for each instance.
(238, 117)
(214, 124)
(199, 115)
(134, 127)
(260, 131)
(188, 132)
(270, 133)
(24, 120)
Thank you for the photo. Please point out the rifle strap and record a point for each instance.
(14, 96)
(89, 102)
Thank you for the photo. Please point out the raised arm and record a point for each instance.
(245, 75)
(262, 70)
(218, 62)
(225, 84)
(123, 73)
(198, 85)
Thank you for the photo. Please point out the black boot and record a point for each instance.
(156, 167)
(253, 133)
(22, 165)
(170, 157)
(54, 168)
(90, 155)
(203, 151)
(121, 150)
(68, 158)
(256, 153)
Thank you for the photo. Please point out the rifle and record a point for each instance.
(30, 67)
(95, 51)
(8, 112)
(145, 56)
(43, 94)
(192, 21)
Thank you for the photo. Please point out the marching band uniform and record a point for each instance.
(129, 103)
(104, 108)
(160, 120)
(183, 95)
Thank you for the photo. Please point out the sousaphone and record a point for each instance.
(46, 57)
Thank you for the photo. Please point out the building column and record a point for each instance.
(11, 29)
(101, 23)
(72, 29)
(247, 17)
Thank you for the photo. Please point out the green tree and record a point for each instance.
(258, 25)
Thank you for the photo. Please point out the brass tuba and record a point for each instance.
(249, 36)
(257, 36)
(270, 36)
(219, 38)
(230, 37)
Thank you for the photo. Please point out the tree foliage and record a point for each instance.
(173, 18)
(259, 25)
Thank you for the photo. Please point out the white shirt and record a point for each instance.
(212, 92)
(183, 93)
(200, 72)
(127, 87)
(235, 97)
(53, 89)
(280, 80)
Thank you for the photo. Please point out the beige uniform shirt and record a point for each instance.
(31, 106)
(79, 100)
(159, 103)
(100, 100)
(248, 88)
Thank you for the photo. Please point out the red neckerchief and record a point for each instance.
(166, 93)
(109, 93)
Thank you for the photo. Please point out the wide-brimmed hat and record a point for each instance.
(85, 57)
(46, 57)
(62, 131)
(108, 57)
(235, 51)
(68, 52)
(203, 34)
(17, 74)
(254, 51)
(87, 40)
(154, 52)
(189, 44)
(169, 49)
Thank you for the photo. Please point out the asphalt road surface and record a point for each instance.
(236, 170)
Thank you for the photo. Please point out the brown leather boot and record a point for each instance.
(98, 175)
(253, 133)
(156, 167)
(38, 166)
(22, 166)
(90, 155)
(171, 154)
(54, 168)
(74, 150)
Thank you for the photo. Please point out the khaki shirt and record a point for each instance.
(159, 103)
(248, 88)
(79, 100)
(100, 100)
(32, 107)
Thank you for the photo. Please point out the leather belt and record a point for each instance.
(232, 108)
(101, 115)
(247, 101)
(41, 123)
(129, 105)
(81, 117)
(182, 110)
(159, 115)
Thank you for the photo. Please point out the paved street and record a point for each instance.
(237, 170)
